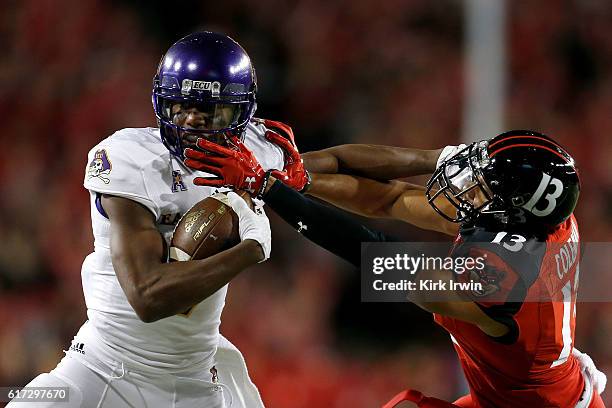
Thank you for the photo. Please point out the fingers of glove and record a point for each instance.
(243, 151)
(281, 126)
(238, 204)
(289, 148)
(269, 123)
(245, 156)
(234, 140)
(214, 147)
(259, 230)
(195, 154)
(209, 182)
(251, 225)
(278, 139)
(297, 182)
(235, 143)
(201, 157)
(198, 165)
(279, 175)
(266, 243)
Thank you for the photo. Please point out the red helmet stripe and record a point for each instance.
(528, 137)
(529, 145)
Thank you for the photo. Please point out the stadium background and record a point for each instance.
(387, 72)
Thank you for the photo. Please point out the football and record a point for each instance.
(209, 227)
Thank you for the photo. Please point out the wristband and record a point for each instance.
(264, 184)
(308, 183)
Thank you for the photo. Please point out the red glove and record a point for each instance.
(294, 174)
(280, 128)
(238, 168)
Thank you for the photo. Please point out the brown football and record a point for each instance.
(207, 228)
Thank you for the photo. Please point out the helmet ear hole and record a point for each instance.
(518, 201)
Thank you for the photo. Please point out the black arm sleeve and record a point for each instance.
(326, 226)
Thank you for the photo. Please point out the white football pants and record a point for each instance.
(93, 384)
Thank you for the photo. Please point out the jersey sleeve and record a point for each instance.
(504, 264)
(490, 279)
(326, 226)
(499, 278)
(111, 170)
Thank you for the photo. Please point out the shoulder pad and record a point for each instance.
(113, 168)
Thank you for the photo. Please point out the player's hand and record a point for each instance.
(252, 224)
(237, 168)
(293, 174)
(448, 152)
(587, 366)
(459, 180)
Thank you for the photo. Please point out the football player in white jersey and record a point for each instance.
(152, 336)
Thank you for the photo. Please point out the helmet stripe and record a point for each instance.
(527, 137)
(491, 154)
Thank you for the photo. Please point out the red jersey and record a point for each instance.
(531, 288)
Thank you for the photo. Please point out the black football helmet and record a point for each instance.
(522, 177)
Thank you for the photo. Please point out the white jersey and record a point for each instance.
(133, 163)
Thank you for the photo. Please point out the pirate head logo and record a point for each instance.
(186, 88)
(215, 88)
(177, 182)
(100, 166)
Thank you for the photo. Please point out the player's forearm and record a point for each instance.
(372, 161)
(453, 303)
(358, 195)
(377, 199)
(320, 161)
(172, 288)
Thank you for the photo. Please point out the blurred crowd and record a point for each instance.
(341, 71)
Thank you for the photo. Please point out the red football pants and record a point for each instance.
(464, 402)
(419, 399)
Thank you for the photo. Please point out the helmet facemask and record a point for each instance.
(460, 181)
(217, 119)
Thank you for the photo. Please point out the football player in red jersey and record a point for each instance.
(510, 198)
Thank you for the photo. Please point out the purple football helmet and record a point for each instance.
(212, 73)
